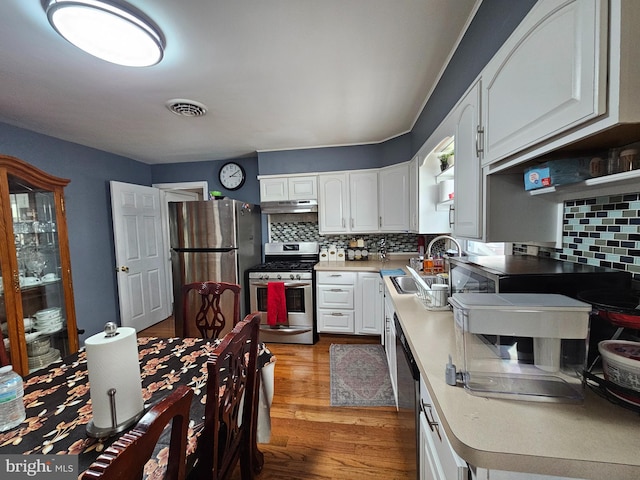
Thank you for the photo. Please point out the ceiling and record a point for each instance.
(273, 74)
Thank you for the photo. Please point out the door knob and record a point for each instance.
(122, 269)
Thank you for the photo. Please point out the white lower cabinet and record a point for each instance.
(390, 344)
(485, 474)
(335, 295)
(350, 302)
(438, 460)
(369, 303)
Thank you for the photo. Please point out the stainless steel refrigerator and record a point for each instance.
(214, 240)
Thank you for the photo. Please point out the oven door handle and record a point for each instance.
(286, 285)
(285, 330)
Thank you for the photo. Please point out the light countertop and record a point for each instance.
(594, 440)
(395, 261)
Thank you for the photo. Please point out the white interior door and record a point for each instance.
(140, 255)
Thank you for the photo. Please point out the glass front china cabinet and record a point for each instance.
(37, 314)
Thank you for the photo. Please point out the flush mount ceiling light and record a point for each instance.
(108, 29)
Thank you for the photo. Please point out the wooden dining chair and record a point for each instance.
(209, 319)
(229, 433)
(127, 456)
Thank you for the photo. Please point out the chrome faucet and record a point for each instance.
(443, 237)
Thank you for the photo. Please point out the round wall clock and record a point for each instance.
(231, 176)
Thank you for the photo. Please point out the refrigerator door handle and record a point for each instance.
(204, 250)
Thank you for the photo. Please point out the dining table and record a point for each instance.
(58, 404)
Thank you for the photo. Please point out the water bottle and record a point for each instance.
(11, 404)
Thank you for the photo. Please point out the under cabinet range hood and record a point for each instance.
(289, 206)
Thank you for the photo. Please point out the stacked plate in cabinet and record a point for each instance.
(39, 351)
(49, 320)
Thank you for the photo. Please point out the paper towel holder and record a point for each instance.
(111, 330)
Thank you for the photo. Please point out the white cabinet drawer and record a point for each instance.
(336, 278)
(335, 321)
(336, 296)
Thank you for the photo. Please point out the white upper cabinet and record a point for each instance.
(468, 174)
(414, 195)
(547, 78)
(303, 188)
(393, 195)
(348, 202)
(288, 188)
(363, 201)
(333, 203)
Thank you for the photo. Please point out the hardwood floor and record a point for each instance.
(312, 440)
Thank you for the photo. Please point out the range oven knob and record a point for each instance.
(279, 277)
(264, 277)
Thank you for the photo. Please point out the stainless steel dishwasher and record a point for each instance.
(408, 391)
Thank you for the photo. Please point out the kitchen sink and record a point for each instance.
(406, 284)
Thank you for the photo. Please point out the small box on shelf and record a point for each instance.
(562, 172)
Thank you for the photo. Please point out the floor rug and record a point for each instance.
(360, 376)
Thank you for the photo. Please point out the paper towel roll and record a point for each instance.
(112, 362)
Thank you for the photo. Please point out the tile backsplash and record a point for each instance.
(304, 228)
(602, 231)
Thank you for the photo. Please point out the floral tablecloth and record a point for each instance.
(58, 403)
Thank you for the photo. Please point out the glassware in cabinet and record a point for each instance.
(36, 304)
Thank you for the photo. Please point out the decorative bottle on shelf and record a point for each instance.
(11, 403)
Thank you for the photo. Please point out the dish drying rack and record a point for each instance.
(425, 294)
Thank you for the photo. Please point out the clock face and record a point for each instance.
(231, 176)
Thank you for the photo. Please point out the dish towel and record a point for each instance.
(276, 303)
(397, 271)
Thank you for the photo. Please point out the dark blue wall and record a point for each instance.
(494, 21)
(208, 171)
(319, 159)
(88, 207)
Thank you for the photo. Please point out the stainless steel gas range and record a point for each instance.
(291, 264)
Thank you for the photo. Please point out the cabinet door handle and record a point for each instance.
(428, 413)
(452, 215)
(479, 141)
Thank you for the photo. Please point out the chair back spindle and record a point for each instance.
(203, 309)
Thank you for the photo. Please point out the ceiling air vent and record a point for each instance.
(187, 108)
